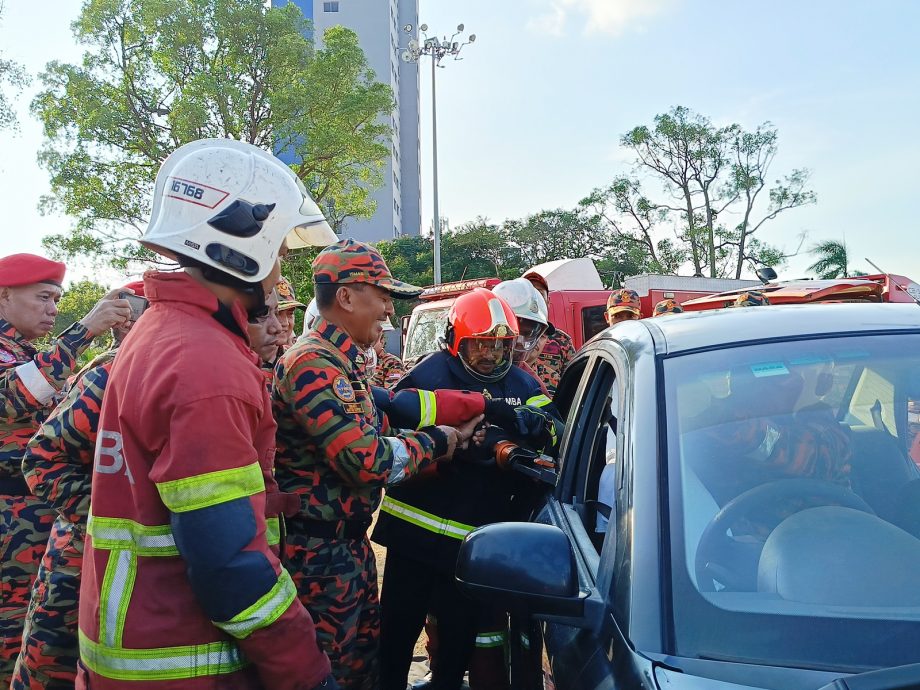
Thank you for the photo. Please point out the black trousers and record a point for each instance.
(410, 590)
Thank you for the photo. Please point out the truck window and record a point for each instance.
(592, 321)
(425, 329)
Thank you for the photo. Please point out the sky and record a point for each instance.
(531, 117)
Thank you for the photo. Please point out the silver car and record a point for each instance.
(737, 506)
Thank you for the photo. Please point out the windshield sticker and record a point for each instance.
(804, 360)
(769, 369)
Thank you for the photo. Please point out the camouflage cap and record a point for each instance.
(668, 306)
(287, 299)
(623, 300)
(348, 261)
(750, 298)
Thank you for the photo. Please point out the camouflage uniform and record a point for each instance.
(58, 468)
(556, 353)
(390, 369)
(335, 453)
(29, 381)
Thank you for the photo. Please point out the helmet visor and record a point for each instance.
(487, 356)
(529, 337)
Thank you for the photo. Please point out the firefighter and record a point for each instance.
(622, 305)
(181, 587)
(533, 320)
(390, 368)
(58, 466)
(287, 305)
(750, 298)
(667, 306)
(556, 346)
(423, 521)
(30, 381)
(336, 453)
(265, 332)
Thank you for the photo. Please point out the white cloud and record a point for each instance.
(600, 16)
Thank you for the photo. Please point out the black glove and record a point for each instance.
(328, 684)
(531, 423)
(500, 413)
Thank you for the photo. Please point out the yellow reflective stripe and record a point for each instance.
(429, 408)
(273, 531)
(115, 595)
(211, 488)
(119, 533)
(425, 520)
(265, 611)
(161, 663)
(490, 639)
(538, 401)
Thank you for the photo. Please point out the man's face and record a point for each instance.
(369, 306)
(624, 315)
(265, 332)
(286, 318)
(31, 309)
(483, 355)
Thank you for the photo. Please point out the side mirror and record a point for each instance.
(523, 568)
(766, 274)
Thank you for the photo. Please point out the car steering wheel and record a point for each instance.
(715, 544)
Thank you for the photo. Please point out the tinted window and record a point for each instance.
(592, 321)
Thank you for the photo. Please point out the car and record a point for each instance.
(734, 507)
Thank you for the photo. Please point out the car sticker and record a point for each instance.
(769, 369)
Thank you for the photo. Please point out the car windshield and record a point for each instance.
(795, 501)
(425, 328)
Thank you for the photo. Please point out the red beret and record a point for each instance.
(26, 269)
(137, 286)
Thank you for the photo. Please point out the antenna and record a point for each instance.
(897, 285)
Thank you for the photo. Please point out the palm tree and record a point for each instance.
(832, 260)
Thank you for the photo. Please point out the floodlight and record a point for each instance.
(406, 56)
(455, 46)
(408, 28)
(413, 45)
(472, 38)
(459, 27)
(423, 27)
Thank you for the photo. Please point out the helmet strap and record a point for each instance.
(215, 275)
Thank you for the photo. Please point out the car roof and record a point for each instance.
(704, 329)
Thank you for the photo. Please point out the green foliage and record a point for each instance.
(159, 73)
(833, 260)
(12, 74)
(708, 173)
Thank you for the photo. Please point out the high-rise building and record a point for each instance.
(379, 26)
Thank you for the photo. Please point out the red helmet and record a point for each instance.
(482, 315)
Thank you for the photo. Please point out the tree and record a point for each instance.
(833, 260)
(13, 74)
(707, 173)
(159, 73)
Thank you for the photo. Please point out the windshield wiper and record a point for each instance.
(896, 678)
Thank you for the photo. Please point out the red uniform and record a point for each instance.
(181, 589)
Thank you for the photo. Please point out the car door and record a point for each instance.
(584, 505)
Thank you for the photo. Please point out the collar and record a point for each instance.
(340, 339)
(180, 287)
(8, 331)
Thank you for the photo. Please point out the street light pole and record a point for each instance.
(434, 175)
(436, 50)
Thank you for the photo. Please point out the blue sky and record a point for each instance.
(530, 119)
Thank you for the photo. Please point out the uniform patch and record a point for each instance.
(7, 357)
(343, 390)
(353, 408)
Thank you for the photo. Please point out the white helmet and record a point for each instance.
(387, 325)
(310, 317)
(230, 205)
(528, 305)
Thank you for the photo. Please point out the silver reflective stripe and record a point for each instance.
(117, 586)
(119, 533)
(265, 611)
(400, 459)
(490, 639)
(424, 519)
(35, 382)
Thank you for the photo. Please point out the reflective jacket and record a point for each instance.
(426, 518)
(180, 586)
(29, 382)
